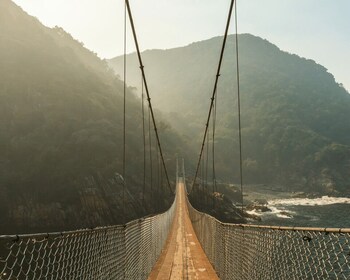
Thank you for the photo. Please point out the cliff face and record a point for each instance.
(99, 203)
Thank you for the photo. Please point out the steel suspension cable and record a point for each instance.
(206, 170)
(150, 152)
(144, 143)
(147, 91)
(183, 171)
(124, 120)
(159, 175)
(161, 184)
(177, 170)
(203, 172)
(215, 88)
(124, 109)
(239, 109)
(213, 150)
(158, 181)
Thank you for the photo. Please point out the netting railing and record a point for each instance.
(118, 252)
(266, 252)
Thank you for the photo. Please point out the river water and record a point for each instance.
(304, 212)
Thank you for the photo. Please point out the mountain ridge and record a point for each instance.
(293, 110)
(60, 134)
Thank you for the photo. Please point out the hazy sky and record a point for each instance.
(316, 29)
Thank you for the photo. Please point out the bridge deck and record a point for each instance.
(183, 257)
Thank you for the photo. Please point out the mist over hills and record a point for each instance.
(61, 124)
(61, 120)
(294, 114)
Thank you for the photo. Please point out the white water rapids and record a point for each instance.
(324, 200)
(278, 206)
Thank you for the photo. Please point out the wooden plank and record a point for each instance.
(183, 257)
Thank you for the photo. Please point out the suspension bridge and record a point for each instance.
(180, 243)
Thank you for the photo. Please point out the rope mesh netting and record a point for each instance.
(130, 251)
(263, 252)
(118, 252)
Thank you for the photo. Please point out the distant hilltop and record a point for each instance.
(294, 113)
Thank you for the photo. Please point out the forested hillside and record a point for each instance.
(295, 116)
(61, 123)
(61, 120)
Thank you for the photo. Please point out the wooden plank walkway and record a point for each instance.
(183, 256)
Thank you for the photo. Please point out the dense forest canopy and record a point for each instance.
(61, 124)
(294, 114)
(61, 120)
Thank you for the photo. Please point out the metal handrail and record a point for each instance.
(126, 251)
(244, 251)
